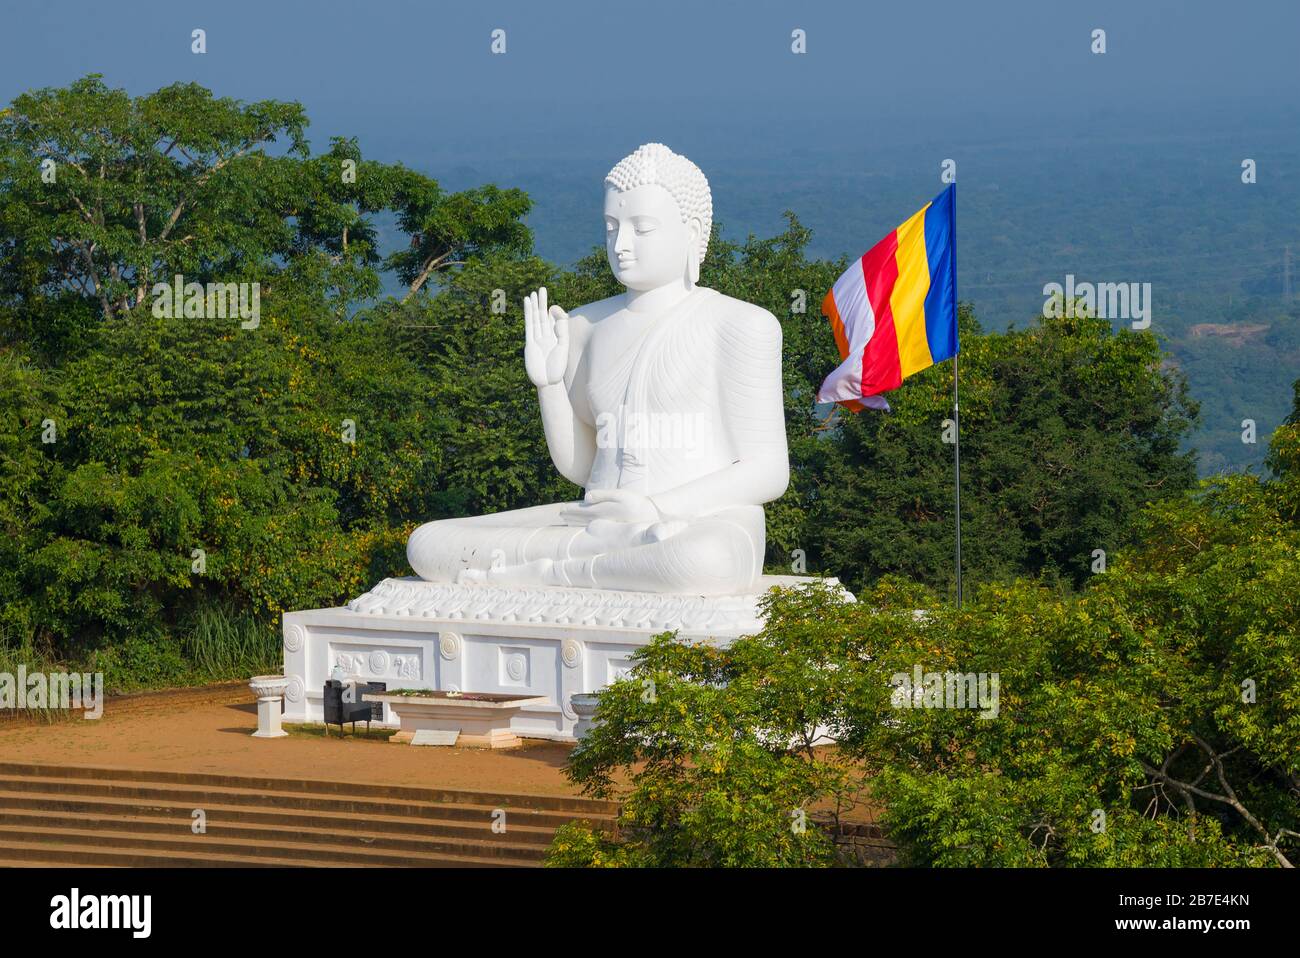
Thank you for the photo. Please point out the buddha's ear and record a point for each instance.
(696, 230)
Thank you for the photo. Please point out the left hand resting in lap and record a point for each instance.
(617, 505)
(621, 518)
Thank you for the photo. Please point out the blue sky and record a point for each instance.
(417, 79)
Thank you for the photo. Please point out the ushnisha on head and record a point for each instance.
(658, 217)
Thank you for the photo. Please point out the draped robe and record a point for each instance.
(690, 415)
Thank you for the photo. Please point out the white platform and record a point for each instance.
(540, 641)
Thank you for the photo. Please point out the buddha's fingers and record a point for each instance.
(560, 319)
(542, 333)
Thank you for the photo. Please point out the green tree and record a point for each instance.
(450, 229)
(1067, 430)
(181, 435)
(486, 450)
(104, 194)
(716, 747)
(1150, 719)
(29, 412)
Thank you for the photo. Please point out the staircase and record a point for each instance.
(71, 815)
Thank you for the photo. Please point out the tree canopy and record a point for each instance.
(1151, 719)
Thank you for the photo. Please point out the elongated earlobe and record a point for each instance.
(693, 254)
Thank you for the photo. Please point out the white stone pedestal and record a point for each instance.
(545, 643)
(269, 690)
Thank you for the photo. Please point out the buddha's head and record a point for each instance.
(658, 216)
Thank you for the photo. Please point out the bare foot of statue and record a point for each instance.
(540, 572)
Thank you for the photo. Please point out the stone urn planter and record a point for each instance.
(269, 690)
(584, 704)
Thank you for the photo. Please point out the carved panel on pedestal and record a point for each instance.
(294, 636)
(616, 669)
(382, 664)
(515, 666)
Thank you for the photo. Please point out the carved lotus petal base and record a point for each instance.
(728, 614)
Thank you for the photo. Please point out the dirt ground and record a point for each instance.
(207, 730)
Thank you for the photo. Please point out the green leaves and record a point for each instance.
(711, 750)
(105, 195)
(1152, 719)
(451, 229)
(1067, 430)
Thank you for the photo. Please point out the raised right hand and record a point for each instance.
(546, 340)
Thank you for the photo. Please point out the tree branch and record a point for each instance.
(198, 184)
(88, 257)
(1229, 797)
(429, 267)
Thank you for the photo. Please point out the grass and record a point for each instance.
(373, 734)
(214, 643)
(18, 651)
(222, 643)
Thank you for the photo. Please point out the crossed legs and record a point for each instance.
(714, 555)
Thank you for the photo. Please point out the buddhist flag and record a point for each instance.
(894, 311)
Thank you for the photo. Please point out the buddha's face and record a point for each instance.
(646, 241)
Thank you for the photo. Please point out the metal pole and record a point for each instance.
(956, 459)
(956, 405)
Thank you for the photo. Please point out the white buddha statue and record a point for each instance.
(664, 403)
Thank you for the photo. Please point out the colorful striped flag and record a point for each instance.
(894, 311)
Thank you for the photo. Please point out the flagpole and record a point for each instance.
(956, 403)
(956, 459)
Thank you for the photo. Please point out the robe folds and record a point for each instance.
(690, 414)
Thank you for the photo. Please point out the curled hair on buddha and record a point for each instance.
(655, 163)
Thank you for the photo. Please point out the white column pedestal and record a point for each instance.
(268, 718)
(269, 690)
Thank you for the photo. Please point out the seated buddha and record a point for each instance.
(664, 403)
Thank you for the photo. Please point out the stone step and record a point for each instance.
(203, 796)
(41, 862)
(355, 790)
(68, 846)
(18, 803)
(42, 854)
(108, 829)
(83, 815)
